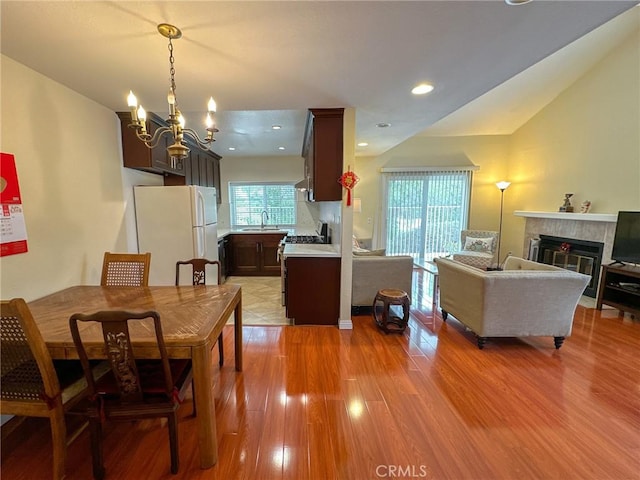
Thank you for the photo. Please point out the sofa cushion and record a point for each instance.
(478, 244)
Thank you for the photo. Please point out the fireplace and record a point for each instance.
(580, 256)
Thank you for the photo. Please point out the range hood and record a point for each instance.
(302, 184)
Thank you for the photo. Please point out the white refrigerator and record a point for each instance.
(176, 223)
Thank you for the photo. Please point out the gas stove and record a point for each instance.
(303, 239)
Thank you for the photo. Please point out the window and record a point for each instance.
(425, 211)
(249, 200)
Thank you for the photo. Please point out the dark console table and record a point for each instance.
(620, 288)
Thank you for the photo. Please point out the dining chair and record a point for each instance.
(125, 269)
(32, 385)
(134, 388)
(199, 277)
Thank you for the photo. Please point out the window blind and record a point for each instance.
(249, 200)
(425, 210)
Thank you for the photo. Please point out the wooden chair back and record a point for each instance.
(125, 269)
(119, 350)
(135, 388)
(29, 385)
(199, 277)
(198, 270)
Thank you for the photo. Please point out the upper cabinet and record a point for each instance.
(203, 168)
(323, 153)
(137, 155)
(199, 168)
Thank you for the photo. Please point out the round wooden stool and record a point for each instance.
(384, 317)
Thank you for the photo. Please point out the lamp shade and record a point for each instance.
(503, 185)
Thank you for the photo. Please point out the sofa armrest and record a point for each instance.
(461, 291)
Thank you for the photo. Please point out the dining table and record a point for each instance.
(192, 318)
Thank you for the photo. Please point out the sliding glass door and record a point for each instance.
(425, 211)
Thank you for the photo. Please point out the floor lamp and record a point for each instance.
(502, 186)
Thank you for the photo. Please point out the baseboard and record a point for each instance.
(345, 324)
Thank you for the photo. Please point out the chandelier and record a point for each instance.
(176, 122)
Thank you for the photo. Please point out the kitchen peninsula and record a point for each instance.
(312, 283)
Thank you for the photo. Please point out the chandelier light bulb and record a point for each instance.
(132, 101)
(171, 97)
(142, 114)
(181, 120)
(211, 106)
(208, 121)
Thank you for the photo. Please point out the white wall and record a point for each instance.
(74, 188)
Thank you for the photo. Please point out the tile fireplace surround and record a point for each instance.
(596, 227)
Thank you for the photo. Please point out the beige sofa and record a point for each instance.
(525, 299)
(373, 273)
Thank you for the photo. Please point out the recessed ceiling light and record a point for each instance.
(232, 148)
(516, 2)
(383, 125)
(363, 144)
(422, 89)
(280, 148)
(276, 127)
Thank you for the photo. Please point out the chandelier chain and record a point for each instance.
(172, 70)
(178, 150)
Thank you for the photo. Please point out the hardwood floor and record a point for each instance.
(320, 403)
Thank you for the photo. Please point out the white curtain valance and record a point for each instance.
(466, 168)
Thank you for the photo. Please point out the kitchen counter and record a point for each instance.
(311, 250)
(289, 231)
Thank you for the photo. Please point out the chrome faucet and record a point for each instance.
(264, 217)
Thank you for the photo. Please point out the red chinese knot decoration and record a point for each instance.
(348, 180)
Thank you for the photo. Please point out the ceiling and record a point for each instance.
(267, 62)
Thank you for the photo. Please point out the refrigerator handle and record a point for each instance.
(200, 243)
(200, 212)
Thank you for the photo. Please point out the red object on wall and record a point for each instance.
(13, 231)
(348, 180)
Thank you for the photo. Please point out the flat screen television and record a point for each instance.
(626, 243)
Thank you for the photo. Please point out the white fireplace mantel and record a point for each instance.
(589, 217)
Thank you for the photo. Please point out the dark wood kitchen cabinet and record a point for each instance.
(312, 290)
(199, 168)
(135, 154)
(203, 168)
(323, 153)
(254, 254)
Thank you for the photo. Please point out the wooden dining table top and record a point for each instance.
(190, 315)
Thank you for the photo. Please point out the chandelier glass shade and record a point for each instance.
(178, 150)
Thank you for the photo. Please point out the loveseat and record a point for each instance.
(373, 273)
(525, 299)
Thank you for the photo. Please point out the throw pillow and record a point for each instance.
(478, 244)
(372, 253)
